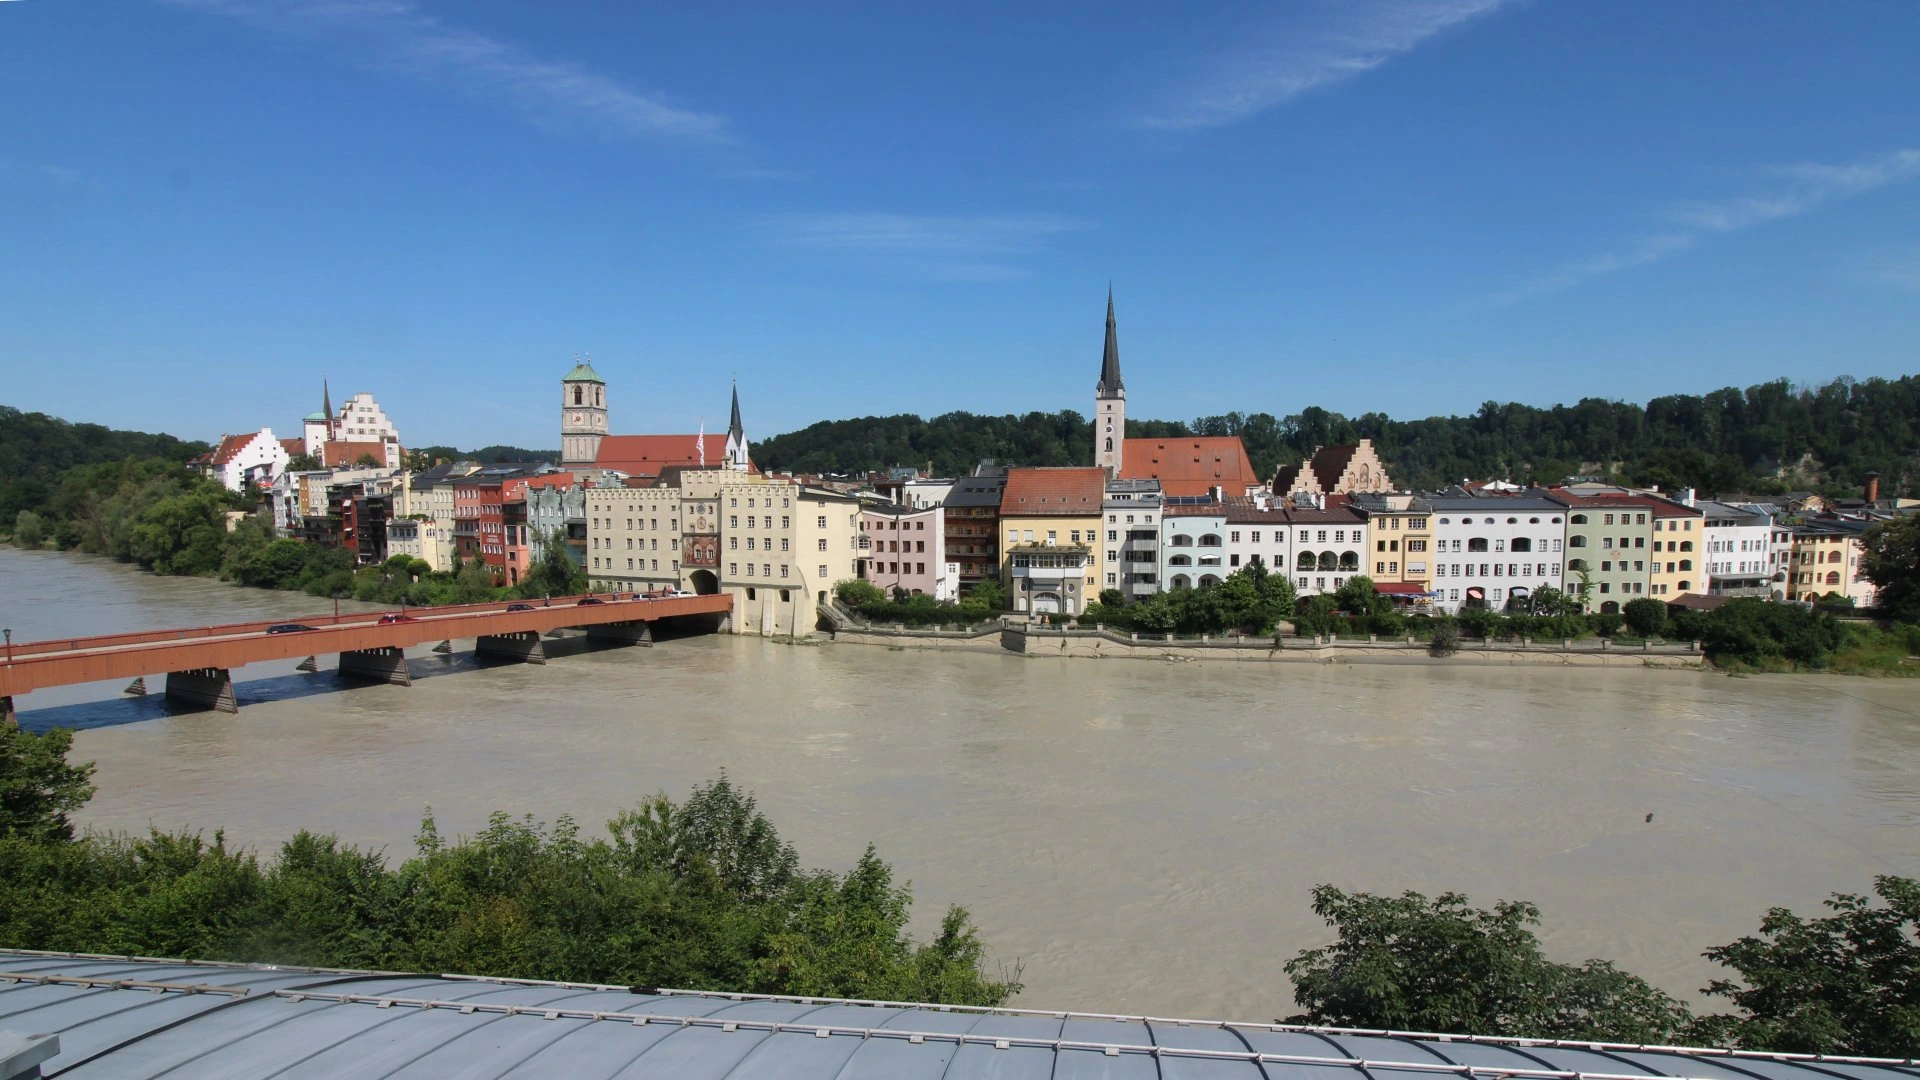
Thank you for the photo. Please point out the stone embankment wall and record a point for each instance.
(1100, 644)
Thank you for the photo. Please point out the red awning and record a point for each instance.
(1399, 588)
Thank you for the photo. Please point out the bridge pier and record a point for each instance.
(628, 633)
(523, 647)
(386, 665)
(209, 688)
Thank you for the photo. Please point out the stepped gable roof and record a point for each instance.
(114, 1016)
(1190, 465)
(1068, 492)
(646, 455)
(229, 448)
(1284, 477)
(294, 447)
(1329, 462)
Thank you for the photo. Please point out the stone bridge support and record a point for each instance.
(387, 665)
(626, 633)
(209, 688)
(522, 647)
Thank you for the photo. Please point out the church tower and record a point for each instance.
(736, 437)
(583, 416)
(1110, 404)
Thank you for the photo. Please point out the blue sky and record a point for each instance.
(1401, 205)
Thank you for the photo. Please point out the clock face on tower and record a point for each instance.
(573, 418)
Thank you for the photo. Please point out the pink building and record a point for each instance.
(907, 549)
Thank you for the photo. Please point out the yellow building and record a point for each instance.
(1679, 546)
(1826, 559)
(1401, 532)
(1051, 520)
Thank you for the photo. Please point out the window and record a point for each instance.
(1577, 519)
(1478, 543)
(823, 566)
(821, 523)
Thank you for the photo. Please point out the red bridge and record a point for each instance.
(198, 660)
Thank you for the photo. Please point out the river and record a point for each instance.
(1140, 836)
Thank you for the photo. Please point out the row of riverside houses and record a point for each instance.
(694, 512)
(1174, 513)
(672, 511)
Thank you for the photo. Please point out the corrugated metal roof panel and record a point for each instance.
(146, 1018)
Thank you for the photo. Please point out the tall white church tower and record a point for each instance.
(583, 416)
(1110, 404)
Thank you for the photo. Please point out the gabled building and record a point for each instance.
(1051, 520)
(242, 461)
(1347, 469)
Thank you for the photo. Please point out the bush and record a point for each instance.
(1443, 637)
(1607, 625)
(1411, 963)
(858, 593)
(702, 893)
(29, 530)
(1645, 617)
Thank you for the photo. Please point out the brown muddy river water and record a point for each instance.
(1141, 835)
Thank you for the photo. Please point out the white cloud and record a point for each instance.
(395, 34)
(1795, 190)
(1309, 49)
(977, 247)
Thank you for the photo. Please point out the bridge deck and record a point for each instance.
(39, 664)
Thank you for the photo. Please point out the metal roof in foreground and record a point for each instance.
(123, 1017)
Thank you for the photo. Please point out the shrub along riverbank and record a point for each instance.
(704, 894)
(164, 518)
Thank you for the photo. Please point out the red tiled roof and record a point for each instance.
(646, 455)
(1053, 492)
(229, 448)
(337, 454)
(1189, 466)
(294, 447)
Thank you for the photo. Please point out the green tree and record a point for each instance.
(1357, 595)
(1645, 617)
(857, 593)
(989, 594)
(1892, 563)
(366, 461)
(553, 572)
(182, 534)
(1411, 963)
(37, 786)
(29, 530)
(302, 463)
(1848, 983)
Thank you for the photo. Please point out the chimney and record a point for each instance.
(1873, 487)
(1685, 497)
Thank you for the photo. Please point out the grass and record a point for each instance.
(1872, 651)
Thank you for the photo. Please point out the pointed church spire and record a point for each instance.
(1110, 359)
(326, 398)
(736, 436)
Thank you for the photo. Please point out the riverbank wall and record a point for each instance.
(1036, 641)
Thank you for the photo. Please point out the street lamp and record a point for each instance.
(9, 633)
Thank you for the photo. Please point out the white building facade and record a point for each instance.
(1493, 550)
(1738, 550)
